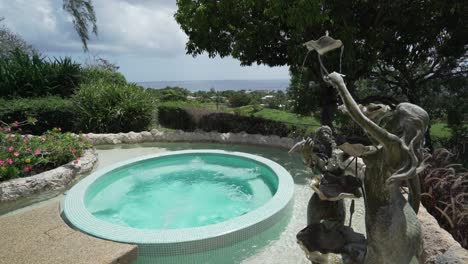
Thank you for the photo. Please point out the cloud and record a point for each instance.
(140, 27)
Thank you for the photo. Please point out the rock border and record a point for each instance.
(196, 136)
(52, 181)
(439, 246)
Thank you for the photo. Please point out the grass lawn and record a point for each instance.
(287, 117)
(440, 130)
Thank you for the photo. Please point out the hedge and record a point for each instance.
(189, 119)
(50, 112)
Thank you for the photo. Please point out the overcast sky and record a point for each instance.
(141, 36)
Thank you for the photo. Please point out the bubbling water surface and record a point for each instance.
(181, 191)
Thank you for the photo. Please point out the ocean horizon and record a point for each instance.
(222, 85)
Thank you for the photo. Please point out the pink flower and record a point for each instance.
(16, 154)
(8, 129)
(37, 152)
(2, 162)
(28, 150)
(27, 168)
(10, 149)
(15, 124)
(43, 139)
(10, 161)
(72, 150)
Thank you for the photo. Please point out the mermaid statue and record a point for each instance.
(377, 172)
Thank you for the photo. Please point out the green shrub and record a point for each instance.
(225, 122)
(94, 74)
(22, 156)
(50, 112)
(176, 118)
(104, 107)
(24, 75)
(191, 118)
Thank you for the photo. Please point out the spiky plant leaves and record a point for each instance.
(445, 194)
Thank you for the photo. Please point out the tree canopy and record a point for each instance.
(399, 42)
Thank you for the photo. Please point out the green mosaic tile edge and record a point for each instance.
(187, 240)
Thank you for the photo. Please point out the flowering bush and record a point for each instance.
(22, 156)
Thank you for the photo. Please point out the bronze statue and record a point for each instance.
(379, 171)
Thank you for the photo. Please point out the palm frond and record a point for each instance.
(83, 15)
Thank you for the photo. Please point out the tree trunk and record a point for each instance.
(328, 104)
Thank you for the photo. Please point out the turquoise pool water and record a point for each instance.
(181, 191)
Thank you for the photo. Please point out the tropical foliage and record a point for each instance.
(25, 75)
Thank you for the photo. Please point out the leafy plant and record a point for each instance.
(445, 194)
(22, 156)
(104, 107)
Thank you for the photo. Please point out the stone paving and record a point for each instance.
(39, 236)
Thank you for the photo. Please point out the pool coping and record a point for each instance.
(76, 213)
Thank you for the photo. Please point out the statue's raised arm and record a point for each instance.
(375, 131)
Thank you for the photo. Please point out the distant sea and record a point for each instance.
(222, 85)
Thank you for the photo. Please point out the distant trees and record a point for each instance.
(170, 94)
(10, 41)
(239, 99)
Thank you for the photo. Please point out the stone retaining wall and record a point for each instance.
(197, 136)
(439, 247)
